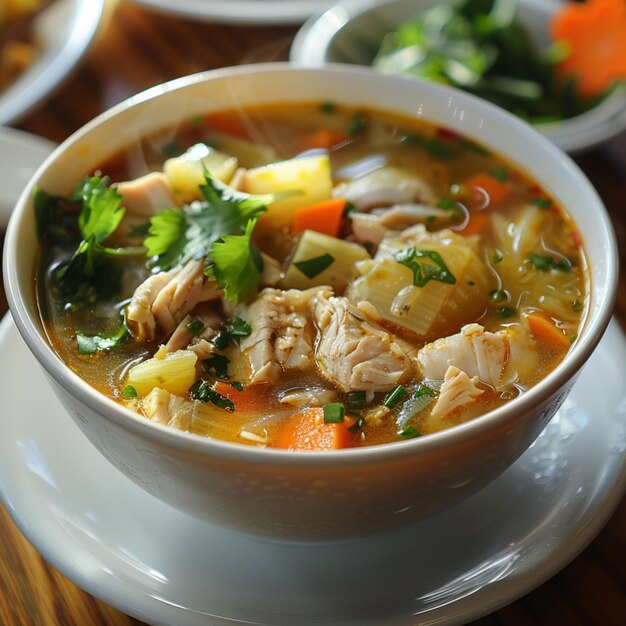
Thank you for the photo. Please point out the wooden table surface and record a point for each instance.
(137, 48)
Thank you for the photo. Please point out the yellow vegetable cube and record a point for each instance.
(320, 259)
(309, 176)
(186, 172)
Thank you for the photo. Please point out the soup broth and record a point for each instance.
(309, 277)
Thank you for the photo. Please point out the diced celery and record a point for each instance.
(175, 373)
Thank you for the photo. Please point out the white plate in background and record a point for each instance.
(150, 561)
(21, 153)
(242, 11)
(65, 30)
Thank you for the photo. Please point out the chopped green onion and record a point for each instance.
(398, 394)
(356, 400)
(542, 203)
(334, 413)
(424, 390)
(409, 432)
(221, 340)
(507, 311)
(239, 329)
(577, 306)
(359, 122)
(498, 295)
(417, 402)
(195, 327)
(547, 263)
(171, 149)
(237, 385)
(312, 267)
(474, 147)
(202, 392)
(440, 148)
(129, 392)
(497, 258)
(219, 364)
(500, 174)
(327, 107)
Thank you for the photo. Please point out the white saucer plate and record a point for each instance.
(20, 154)
(65, 31)
(242, 11)
(165, 568)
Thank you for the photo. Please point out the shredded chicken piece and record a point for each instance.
(473, 350)
(315, 396)
(183, 338)
(367, 227)
(458, 389)
(385, 187)
(282, 337)
(375, 226)
(166, 408)
(352, 351)
(164, 299)
(146, 195)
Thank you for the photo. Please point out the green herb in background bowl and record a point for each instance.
(482, 47)
(559, 65)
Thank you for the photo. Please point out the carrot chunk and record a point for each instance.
(546, 331)
(595, 34)
(477, 223)
(323, 138)
(323, 217)
(307, 431)
(247, 400)
(227, 122)
(495, 190)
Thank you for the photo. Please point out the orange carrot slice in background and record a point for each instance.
(495, 190)
(307, 431)
(477, 223)
(595, 33)
(546, 331)
(227, 122)
(323, 217)
(324, 138)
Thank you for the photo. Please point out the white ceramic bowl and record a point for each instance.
(352, 31)
(311, 495)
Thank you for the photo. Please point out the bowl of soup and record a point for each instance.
(309, 303)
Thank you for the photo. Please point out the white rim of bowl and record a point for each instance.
(28, 327)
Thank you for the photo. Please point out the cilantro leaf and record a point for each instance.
(236, 265)
(424, 272)
(90, 344)
(99, 217)
(176, 236)
(102, 209)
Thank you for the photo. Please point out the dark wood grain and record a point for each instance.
(138, 48)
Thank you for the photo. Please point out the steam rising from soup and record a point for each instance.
(309, 277)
